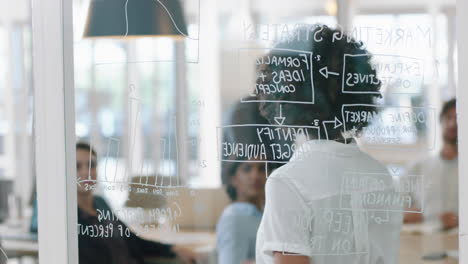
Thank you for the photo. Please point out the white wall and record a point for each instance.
(14, 11)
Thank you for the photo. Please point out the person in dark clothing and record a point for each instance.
(106, 240)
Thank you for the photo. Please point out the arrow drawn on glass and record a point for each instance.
(325, 72)
(280, 119)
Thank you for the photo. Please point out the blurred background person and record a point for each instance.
(237, 227)
(245, 180)
(440, 173)
(117, 248)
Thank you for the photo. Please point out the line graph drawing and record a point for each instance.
(192, 36)
(168, 13)
(173, 22)
(126, 18)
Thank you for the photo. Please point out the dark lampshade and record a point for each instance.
(119, 18)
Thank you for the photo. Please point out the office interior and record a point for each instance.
(154, 107)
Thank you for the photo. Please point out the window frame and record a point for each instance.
(462, 109)
(54, 134)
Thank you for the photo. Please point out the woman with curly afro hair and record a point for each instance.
(315, 211)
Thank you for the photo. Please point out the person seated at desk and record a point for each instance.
(237, 227)
(245, 184)
(440, 174)
(117, 248)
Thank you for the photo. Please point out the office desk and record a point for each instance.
(202, 242)
(414, 246)
(20, 248)
(197, 240)
(17, 242)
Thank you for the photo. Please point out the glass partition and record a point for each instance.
(229, 132)
(18, 204)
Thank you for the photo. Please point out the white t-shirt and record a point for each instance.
(440, 193)
(310, 211)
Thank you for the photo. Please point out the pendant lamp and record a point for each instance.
(135, 18)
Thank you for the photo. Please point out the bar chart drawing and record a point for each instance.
(128, 165)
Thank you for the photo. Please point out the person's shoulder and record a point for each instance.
(372, 164)
(280, 173)
(239, 215)
(240, 209)
(296, 166)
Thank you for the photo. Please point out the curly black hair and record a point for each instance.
(326, 49)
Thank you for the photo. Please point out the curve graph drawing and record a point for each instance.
(168, 13)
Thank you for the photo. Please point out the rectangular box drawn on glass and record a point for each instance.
(327, 232)
(379, 192)
(291, 61)
(250, 152)
(390, 127)
(397, 74)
